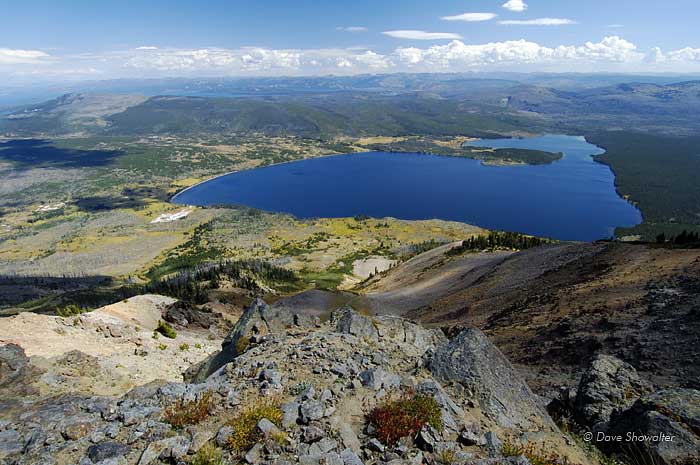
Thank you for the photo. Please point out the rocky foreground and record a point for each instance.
(287, 388)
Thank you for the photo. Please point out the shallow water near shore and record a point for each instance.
(573, 198)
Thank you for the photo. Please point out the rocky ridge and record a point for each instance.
(323, 376)
(318, 381)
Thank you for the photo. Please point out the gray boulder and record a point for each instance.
(311, 410)
(313, 433)
(350, 457)
(347, 321)
(290, 412)
(664, 426)
(170, 448)
(609, 384)
(16, 372)
(106, 450)
(487, 377)
(407, 332)
(378, 378)
(267, 428)
(255, 454)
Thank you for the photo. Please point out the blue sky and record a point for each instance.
(104, 39)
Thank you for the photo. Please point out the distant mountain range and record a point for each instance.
(386, 83)
(368, 105)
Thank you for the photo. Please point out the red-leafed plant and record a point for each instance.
(404, 416)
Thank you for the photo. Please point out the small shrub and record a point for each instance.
(535, 456)
(208, 455)
(189, 412)
(69, 310)
(184, 346)
(404, 416)
(511, 450)
(156, 335)
(162, 346)
(166, 330)
(245, 432)
(241, 345)
(198, 346)
(280, 437)
(299, 387)
(448, 456)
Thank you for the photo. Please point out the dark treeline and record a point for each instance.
(192, 285)
(687, 239)
(499, 240)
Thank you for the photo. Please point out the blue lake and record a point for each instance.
(573, 198)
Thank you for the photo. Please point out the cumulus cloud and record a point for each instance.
(684, 55)
(252, 60)
(351, 29)
(457, 55)
(10, 57)
(147, 47)
(612, 53)
(538, 22)
(421, 35)
(515, 5)
(471, 17)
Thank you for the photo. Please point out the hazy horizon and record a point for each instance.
(47, 42)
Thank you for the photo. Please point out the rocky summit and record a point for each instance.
(349, 389)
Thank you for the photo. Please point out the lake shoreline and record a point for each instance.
(573, 198)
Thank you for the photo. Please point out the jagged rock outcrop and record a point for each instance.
(255, 322)
(326, 378)
(347, 321)
(608, 385)
(409, 332)
(664, 427)
(471, 361)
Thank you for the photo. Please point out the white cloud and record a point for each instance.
(655, 56)
(458, 56)
(684, 55)
(9, 56)
(612, 54)
(146, 47)
(421, 35)
(515, 5)
(615, 26)
(471, 17)
(251, 61)
(351, 29)
(538, 22)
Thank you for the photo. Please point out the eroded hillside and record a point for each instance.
(550, 309)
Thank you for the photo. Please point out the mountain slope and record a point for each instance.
(550, 309)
